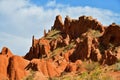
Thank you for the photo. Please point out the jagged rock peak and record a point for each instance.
(75, 27)
(58, 23)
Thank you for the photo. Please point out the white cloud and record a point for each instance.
(22, 19)
(18, 45)
(106, 17)
(53, 4)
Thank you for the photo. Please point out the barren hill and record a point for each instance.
(80, 49)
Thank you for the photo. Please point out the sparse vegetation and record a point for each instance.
(94, 33)
(94, 72)
(53, 34)
(68, 47)
(30, 76)
(56, 51)
(62, 49)
(116, 66)
(90, 65)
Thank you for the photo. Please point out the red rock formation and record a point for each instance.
(62, 64)
(67, 40)
(3, 67)
(110, 42)
(58, 23)
(45, 33)
(83, 50)
(6, 51)
(108, 58)
(117, 52)
(76, 27)
(59, 42)
(73, 67)
(68, 54)
(4, 61)
(17, 68)
(63, 49)
(111, 35)
(95, 52)
(87, 46)
(40, 47)
(47, 67)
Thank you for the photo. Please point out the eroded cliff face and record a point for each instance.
(4, 62)
(75, 27)
(63, 49)
(111, 35)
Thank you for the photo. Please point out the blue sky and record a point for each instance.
(20, 19)
(104, 4)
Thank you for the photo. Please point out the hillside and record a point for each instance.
(76, 49)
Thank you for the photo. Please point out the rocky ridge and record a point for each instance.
(64, 48)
